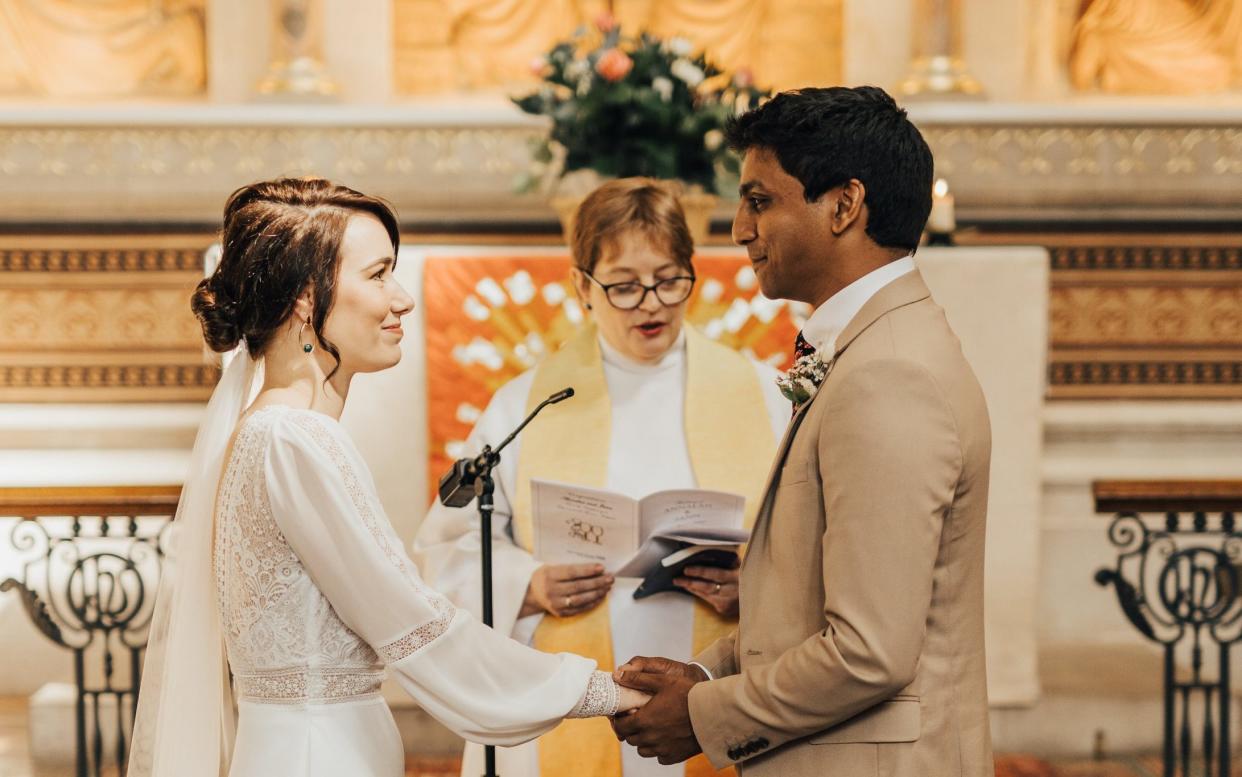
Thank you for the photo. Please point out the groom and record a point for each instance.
(860, 645)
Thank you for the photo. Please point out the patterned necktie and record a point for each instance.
(802, 348)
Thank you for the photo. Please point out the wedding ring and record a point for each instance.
(569, 602)
(717, 587)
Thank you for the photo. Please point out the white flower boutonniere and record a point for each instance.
(802, 380)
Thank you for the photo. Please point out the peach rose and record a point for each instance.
(614, 64)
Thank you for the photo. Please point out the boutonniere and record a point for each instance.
(802, 380)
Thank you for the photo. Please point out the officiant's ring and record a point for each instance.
(717, 587)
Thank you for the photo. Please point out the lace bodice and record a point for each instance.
(316, 594)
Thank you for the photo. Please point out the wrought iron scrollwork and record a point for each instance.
(1177, 581)
(88, 585)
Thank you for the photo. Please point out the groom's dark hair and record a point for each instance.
(826, 136)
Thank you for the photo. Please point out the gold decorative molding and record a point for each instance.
(1134, 376)
(58, 259)
(1156, 315)
(107, 382)
(101, 319)
(1178, 258)
(1142, 316)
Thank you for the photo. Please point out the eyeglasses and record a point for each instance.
(629, 295)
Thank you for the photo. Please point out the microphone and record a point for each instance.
(459, 485)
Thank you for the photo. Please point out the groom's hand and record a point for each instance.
(645, 665)
(662, 728)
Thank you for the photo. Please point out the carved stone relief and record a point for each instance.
(108, 48)
(488, 44)
(1157, 46)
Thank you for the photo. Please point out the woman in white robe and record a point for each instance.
(638, 439)
(314, 595)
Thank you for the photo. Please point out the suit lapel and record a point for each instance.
(906, 290)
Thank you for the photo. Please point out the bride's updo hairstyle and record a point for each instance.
(279, 238)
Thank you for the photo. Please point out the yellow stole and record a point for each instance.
(731, 445)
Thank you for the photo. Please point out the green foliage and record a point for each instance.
(626, 106)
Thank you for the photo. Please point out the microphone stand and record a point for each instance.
(471, 479)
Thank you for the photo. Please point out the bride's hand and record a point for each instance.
(630, 700)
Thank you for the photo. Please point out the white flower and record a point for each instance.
(802, 380)
(713, 139)
(663, 87)
(575, 70)
(687, 71)
(680, 47)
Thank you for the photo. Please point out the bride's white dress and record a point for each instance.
(317, 597)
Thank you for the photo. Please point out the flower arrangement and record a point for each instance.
(624, 106)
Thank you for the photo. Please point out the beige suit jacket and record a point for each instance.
(859, 650)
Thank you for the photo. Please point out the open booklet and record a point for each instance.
(630, 537)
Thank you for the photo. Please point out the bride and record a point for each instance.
(285, 570)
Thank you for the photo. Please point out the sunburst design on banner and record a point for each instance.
(490, 318)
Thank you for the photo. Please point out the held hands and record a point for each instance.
(630, 700)
(661, 729)
(714, 585)
(565, 589)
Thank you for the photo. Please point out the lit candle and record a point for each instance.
(941, 220)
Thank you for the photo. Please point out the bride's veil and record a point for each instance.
(185, 720)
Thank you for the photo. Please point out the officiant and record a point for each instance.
(658, 405)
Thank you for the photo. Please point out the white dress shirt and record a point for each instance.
(829, 320)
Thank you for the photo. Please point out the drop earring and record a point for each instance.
(306, 347)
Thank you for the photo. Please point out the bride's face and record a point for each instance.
(365, 322)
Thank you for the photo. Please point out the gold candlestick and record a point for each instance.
(937, 69)
(297, 69)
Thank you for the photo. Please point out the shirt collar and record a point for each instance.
(671, 358)
(829, 320)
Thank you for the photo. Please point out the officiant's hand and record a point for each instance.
(565, 589)
(715, 585)
(662, 728)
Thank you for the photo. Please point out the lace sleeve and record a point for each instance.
(601, 698)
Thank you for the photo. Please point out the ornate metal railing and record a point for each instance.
(88, 561)
(1177, 579)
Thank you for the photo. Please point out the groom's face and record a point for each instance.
(788, 239)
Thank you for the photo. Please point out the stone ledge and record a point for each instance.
(454, 161)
